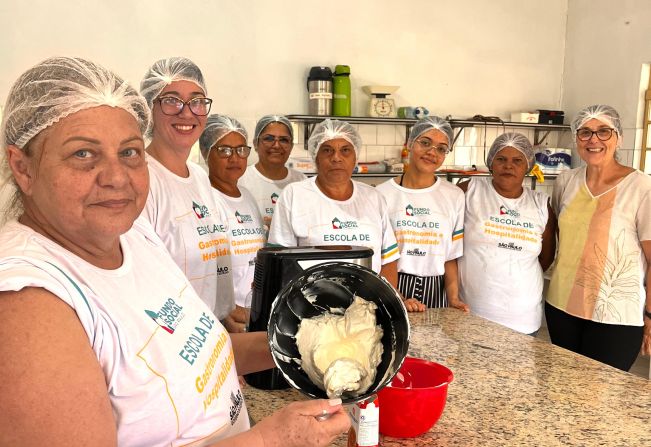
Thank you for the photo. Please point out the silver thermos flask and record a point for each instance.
(319, 89)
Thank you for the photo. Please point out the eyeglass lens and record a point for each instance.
(602, 134)
(427, 145)
(269, 140)
(174, 106)
(227, 151)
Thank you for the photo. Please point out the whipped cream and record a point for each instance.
(341, 353)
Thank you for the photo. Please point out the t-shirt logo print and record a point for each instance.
(201, 211)
(242, 218)
(341, 224)
(274, 198)
(411, 211)
(168, 316)
(505, 210)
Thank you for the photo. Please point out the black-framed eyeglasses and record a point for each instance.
(171, 105)
(270, 140)
(427, 146)
(227, 151)
(603, 134)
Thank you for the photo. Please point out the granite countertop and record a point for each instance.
(511, 389)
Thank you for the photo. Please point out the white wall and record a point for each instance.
(607, 44)
(457, 57)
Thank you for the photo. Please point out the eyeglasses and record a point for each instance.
(171, 105)
(227, 151)
(604, 134)
(270, 140)
(427, 146)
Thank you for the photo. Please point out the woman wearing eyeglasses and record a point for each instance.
(273, 141)
(333, 209)
(597, 304)
(510, 235)
(426, 214)
(223, 146)
(181, 205)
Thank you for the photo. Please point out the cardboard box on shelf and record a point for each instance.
(305, 165)
(524, 117)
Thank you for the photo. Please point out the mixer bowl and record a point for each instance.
(322, 288)
(415, 399)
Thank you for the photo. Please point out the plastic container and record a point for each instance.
(415, 400)
(373, 167)
(341, 104)
(404, 158)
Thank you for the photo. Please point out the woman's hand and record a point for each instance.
(458, 304)
(413, 305)
(240, 315)
(297, 424)
(237, 321)
(232, 326)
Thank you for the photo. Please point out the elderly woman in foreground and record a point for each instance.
(333, 209)
(108, 341)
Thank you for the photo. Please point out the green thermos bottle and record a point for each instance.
(341, 91)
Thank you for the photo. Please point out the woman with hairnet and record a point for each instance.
(597, 303)
(333, 209)
(181, 206)
(108, 340)
(273, 141)
(223, 146)
(426, 214)
(509, 239)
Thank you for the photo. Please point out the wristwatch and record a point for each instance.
(647, 313)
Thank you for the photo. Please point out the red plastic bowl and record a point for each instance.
(415, 399)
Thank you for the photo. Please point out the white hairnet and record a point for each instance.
(217, 127)
(268, 119)
(428, 123)
(606, 114)
(328, 130)
(516, 141)
(61, 86)
(166, 71)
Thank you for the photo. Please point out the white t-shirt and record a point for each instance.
(500, 276)
(428, 224)
(184, 214)
(600, 268)
(266, 191)
(247, 236)
(168, 362)
(305, 216)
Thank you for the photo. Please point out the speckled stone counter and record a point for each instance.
(512, 389)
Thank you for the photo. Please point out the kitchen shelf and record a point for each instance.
(541, 131)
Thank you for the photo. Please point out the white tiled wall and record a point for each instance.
(381, 142)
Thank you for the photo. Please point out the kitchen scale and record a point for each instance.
(379, 105)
